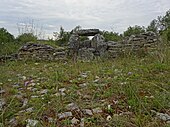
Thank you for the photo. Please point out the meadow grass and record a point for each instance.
(132, 84)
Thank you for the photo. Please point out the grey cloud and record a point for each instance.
(103, 14)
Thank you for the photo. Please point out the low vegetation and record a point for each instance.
(127, 90)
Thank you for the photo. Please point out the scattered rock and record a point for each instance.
(162, 116)
(9, 80)
(2, 103)
(59, 94)
(2, 91)
(65, 115)
(36, 63)
(109, 107)
(74, 121)
(34, 89)
(108, 118)
(82, 122)
(96, 80)
(29, 109)
(83, 85)
(125, 113)
(24, 77)
(72, 106)
(32, 123)
(44, 91)
(87, 112)
(62, 90)
(15, 85)
(116, 115)
(32, 84)
(13, 122)
(51, 120)
(87, 97)
(25, 102)
(34, 96)
(97, 110)
(83, 75)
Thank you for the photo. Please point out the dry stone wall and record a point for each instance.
(145, 42)
(88, 49)
(41, 52)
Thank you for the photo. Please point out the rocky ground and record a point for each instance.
(124, 92)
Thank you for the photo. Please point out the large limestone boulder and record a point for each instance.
(85, 44)
(86, 54)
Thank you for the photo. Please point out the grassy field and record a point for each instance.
(126, 92)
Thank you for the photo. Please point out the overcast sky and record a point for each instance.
(112, 15)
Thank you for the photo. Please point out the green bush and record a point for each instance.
(7, 42)
(111, 36)
(134, 30)
(5, 36)
(26, 37)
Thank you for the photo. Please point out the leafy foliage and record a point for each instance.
(153, 26)
(162, 25)
(5, 36)
(134, 30)
(62, 37)
(7, 42)
(164, 21)
(26, 37)
(111, 36)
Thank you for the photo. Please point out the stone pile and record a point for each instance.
(41, 52)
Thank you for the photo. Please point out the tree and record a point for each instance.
(26, 37)
(134, 30)
(164, 21)
(61, 33)
(62, 37)
(111, 36)
(5, 36)
(164, 26)
(153, 26)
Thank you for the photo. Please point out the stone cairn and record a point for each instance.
(41, 52)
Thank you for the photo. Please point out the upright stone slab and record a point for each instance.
(74, 45)
(99, 44)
